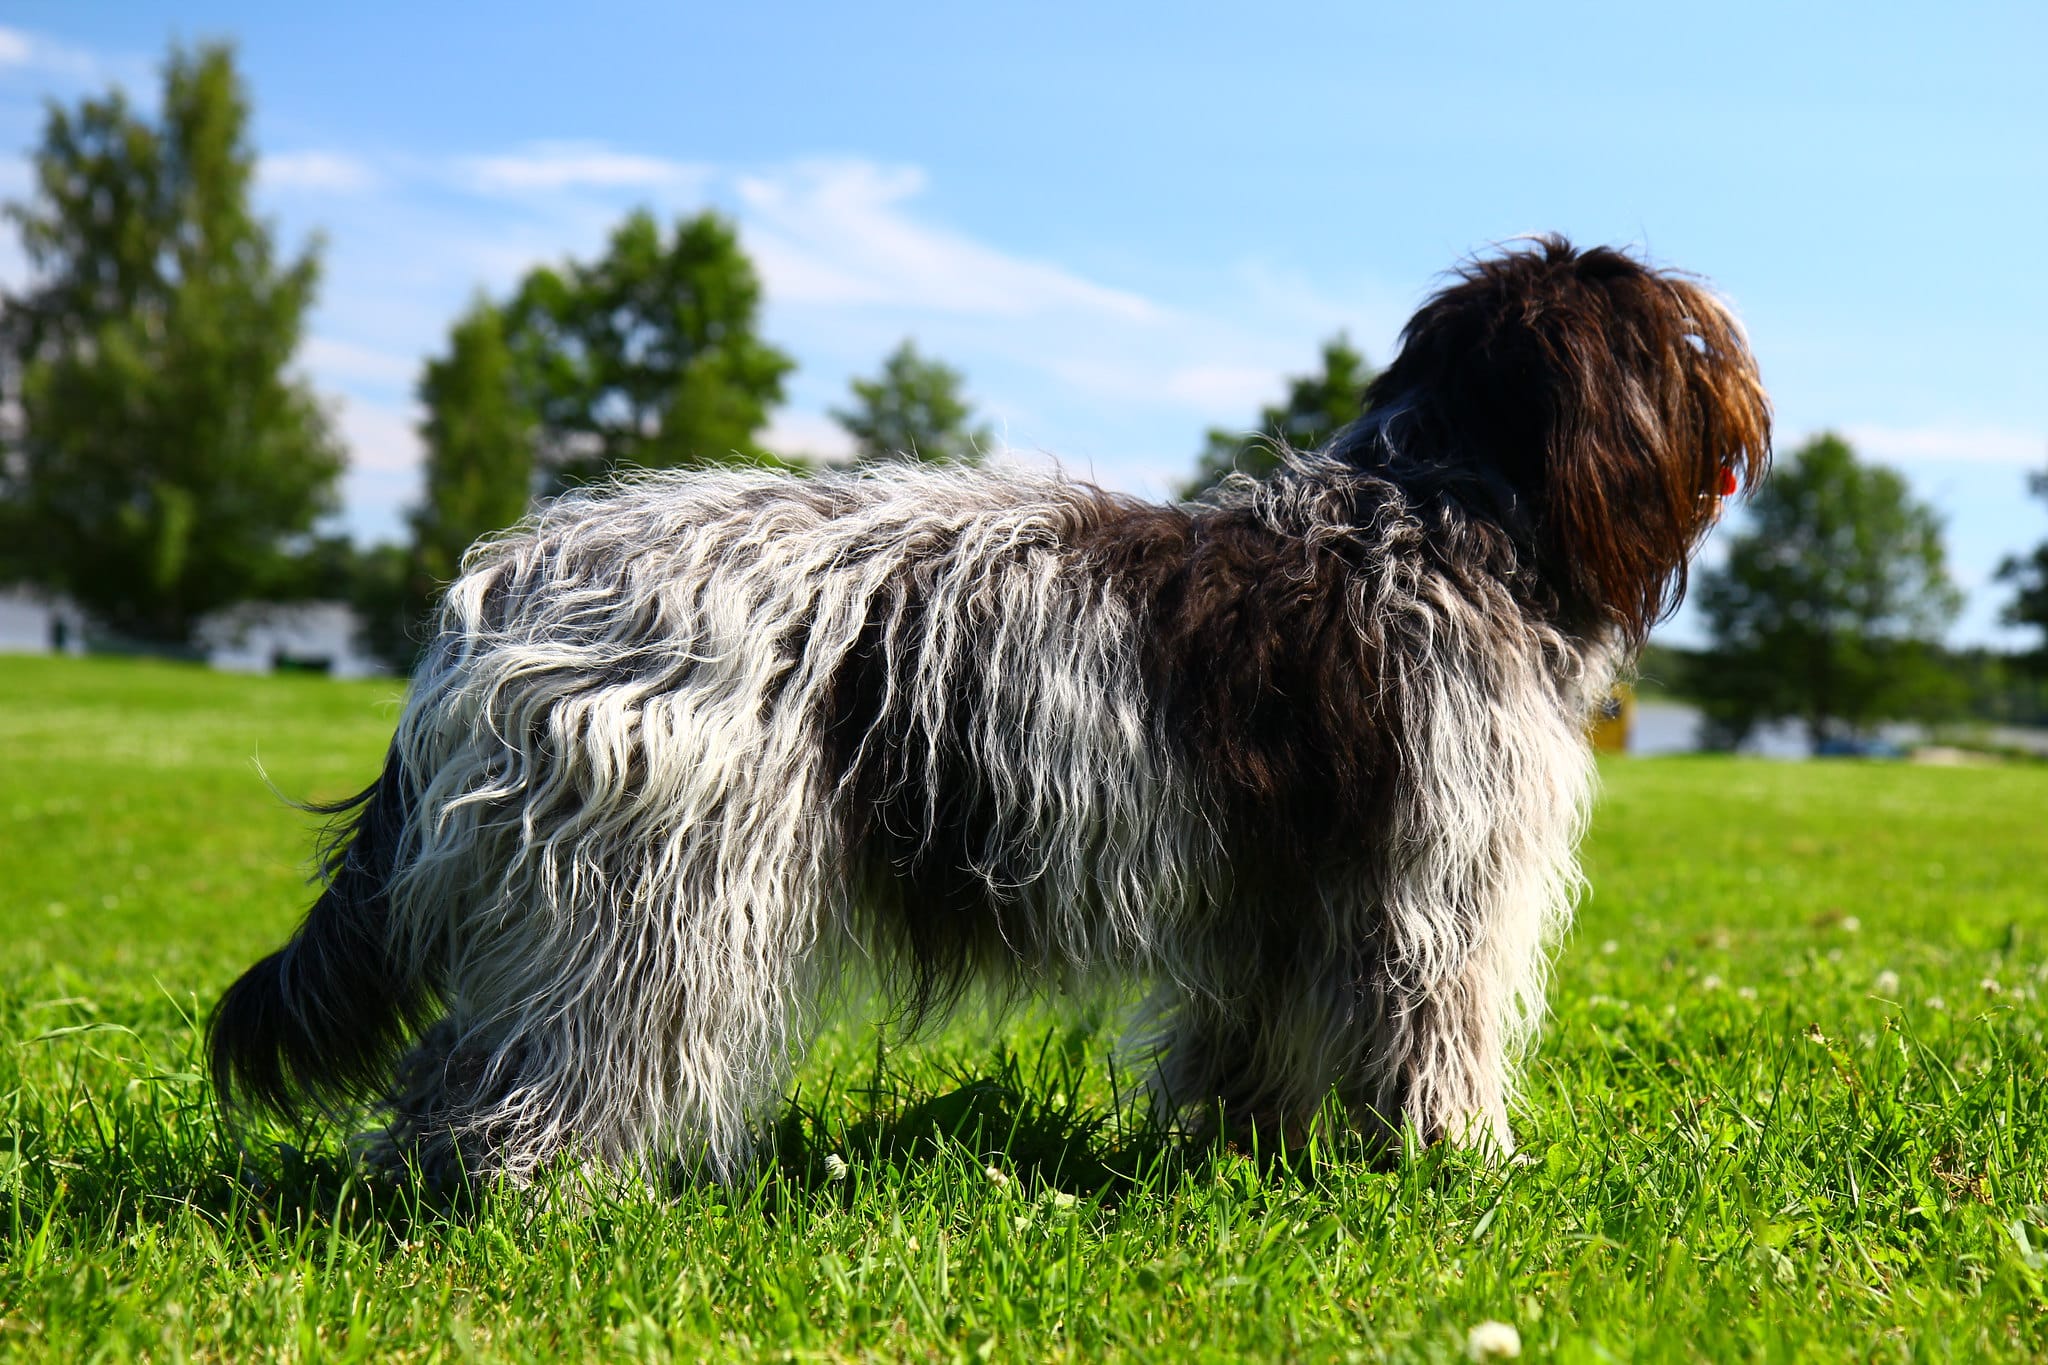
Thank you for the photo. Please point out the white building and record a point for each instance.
(263, 637)
(36, 623)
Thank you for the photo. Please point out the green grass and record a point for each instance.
(1742, 1139)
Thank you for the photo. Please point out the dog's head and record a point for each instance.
(1620, 405)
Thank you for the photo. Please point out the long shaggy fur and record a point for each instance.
(1306, 756)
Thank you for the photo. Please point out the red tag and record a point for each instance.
(1728, 484)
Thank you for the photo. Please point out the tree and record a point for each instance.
(2030, 574)
(478, 479)
(1830, 606)
(1317, 407)
(913, 410)
(479, 439)
(160, 461)
(646, 357)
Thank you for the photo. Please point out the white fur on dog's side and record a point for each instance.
(626, 865)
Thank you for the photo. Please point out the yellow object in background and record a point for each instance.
(1612, 720)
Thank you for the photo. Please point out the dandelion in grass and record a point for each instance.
(1887, 983)
(1491, 1340)
(1989, 985)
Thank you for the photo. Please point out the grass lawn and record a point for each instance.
(1790, 1106)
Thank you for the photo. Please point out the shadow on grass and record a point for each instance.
(151, 1156)
(1020, 1122)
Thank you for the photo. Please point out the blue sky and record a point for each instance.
(1128, 225)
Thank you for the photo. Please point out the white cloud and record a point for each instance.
(1948, 445)
(807, 433)
(1363, 309)
(379, 437)
(325, 172)
(31, 52)
(548, 167)
(382, 480)
(17, 176)
(330, 360)
(1223, 391)
(838, 233)
(17, 182)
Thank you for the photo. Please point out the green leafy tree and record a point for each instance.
(160, 460)
(478, 479)
(646, 357)
(1317, 407)
(479, 439)
(2029, 573)
(1830, 606)
(913, 410)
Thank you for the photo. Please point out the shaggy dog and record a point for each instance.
(1306, 755)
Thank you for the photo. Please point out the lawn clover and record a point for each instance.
(1492, 1340)
(1887, 982)
(835, 1167)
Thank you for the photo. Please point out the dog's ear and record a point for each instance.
(1612, 399)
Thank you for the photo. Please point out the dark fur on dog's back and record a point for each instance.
(324, 1019)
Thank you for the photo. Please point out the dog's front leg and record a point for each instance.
(1252, 1062)
(1440, 1060)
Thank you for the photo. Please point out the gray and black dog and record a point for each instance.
(1306, 756)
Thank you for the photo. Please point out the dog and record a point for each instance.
(1306, 756)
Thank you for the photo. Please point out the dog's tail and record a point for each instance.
(321, 1021)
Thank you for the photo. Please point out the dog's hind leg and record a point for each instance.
(476, 1104)
(443, 1113)
(647, 1044)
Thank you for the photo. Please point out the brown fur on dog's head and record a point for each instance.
(1610, 397)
